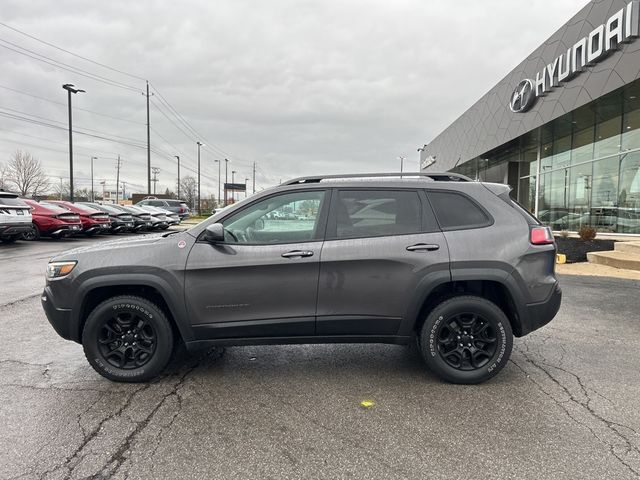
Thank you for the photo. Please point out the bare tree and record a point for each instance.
(25, 172)
(189, 190)
(3, 175)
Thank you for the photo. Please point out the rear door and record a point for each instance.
(263, 280)
(380, 245)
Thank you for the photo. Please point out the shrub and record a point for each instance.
(564, 233)
(587, 233)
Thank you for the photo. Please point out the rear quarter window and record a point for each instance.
(456, 211)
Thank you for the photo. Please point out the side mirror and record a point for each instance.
(214, 233)
(259, 224)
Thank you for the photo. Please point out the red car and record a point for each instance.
(93, 221)
(51, 221)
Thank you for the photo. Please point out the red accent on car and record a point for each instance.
(541, 236)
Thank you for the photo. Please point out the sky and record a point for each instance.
(299, 87)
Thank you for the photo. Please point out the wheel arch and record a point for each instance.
(153, 289)
(496, 290)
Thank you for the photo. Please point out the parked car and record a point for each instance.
(176, 206)
(15, 217)
(50, 220)
(161, 217)
(120, 221)
(93, 221)
(142, 220)
(454, 265)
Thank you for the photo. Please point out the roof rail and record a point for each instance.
(436, 177)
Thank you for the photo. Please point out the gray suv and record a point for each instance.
(176, 206)
(454, 265)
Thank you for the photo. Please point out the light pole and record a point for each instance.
(401, 158)
(219, 167)
(93, 195)
(233, 181)
(200, 144)
(178, 157)
(70, 89)
(226, 179)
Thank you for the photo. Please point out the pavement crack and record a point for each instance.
(20, 300)
(611, 426)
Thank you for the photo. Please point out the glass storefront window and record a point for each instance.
(629, 194)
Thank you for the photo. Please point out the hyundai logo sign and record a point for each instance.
(522, 97)
(621, 27)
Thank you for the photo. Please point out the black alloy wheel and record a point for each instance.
(32, 234)
(128, 339)
(466, 339)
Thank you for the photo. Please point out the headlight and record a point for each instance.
(60, 269)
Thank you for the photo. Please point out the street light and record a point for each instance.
(401, 158)
(219, 166)
(70, 89)
(178, 157)
(93, 195)
(200, 144)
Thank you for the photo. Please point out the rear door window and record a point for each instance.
(456, 211)
(373, 213)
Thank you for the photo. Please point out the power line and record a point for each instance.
(75, 70)
(70, 53)
(74, 108)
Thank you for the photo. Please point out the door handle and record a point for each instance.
(298, 253)
(419, 247)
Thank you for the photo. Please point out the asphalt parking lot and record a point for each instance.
(567, 405)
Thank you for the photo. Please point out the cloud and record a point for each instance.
(300, 87)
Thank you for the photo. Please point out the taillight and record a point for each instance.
(541, 236)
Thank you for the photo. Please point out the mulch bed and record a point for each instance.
(576, 249)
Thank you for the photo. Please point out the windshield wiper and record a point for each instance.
(164, 235)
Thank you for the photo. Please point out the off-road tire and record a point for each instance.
(119, 352)
(466, 339)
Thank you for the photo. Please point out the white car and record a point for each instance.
(15, 217)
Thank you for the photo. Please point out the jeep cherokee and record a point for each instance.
(452, 264)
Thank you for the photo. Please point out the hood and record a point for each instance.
(137, 242)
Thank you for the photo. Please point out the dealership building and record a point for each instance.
(563, 127)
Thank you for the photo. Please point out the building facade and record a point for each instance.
(562, 128)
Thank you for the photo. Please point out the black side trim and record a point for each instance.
(390, 339)
(255, 328)
(357, 325)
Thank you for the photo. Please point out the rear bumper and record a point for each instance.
(537, 315)
(59, 318)
(11, 229)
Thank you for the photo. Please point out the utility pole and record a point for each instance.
(148, 145)
(254, 177)
(70, 89)
(219, 166)
(178, 157)
(226, 179)
(118, 177)
(200, 144)
(155, 171)
(93, 195)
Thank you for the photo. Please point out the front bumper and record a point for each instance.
(537, 315)
(59, 318)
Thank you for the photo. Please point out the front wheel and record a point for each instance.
(127, 339)
(466, 339)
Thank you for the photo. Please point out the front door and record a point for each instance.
(380, 245)
(262, 281)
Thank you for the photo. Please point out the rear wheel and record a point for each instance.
(33, 234)
(128, 339)
(466, 339)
